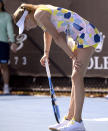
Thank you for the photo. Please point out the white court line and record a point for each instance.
(97, 119)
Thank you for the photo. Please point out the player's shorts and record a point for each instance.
(4, 52)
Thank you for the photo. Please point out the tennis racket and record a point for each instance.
(52, 92)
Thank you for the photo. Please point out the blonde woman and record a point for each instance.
(62, 26)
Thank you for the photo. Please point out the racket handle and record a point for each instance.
(47, 68)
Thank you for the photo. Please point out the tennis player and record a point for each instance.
(63, 25)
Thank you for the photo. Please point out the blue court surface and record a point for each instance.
(34, 113)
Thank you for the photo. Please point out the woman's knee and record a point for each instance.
(76, 75)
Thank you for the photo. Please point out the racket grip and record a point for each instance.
(47, 68)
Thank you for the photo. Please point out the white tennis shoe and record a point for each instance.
(62, 124)
(73, 126)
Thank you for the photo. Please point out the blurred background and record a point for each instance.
(29, 77)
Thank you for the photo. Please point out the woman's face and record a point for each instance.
(29, 23)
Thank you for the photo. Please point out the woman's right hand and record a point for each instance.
(42, 60)
(14, 47)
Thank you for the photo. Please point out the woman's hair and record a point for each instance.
(28, 7)
(2, 8)
(19, 12)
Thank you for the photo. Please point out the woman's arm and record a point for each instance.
(44, 19)
(10, 33)
(47, 43)
(10, 30)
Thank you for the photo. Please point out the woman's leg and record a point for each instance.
(71, 106)
(5, 73)
(77, 97)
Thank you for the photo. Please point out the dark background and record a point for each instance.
(26, 62)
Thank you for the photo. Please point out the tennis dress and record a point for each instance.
(80, 30)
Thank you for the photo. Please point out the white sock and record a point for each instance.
(6, 89)
(6, 86)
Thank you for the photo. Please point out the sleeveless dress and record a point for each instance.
(73, 25)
